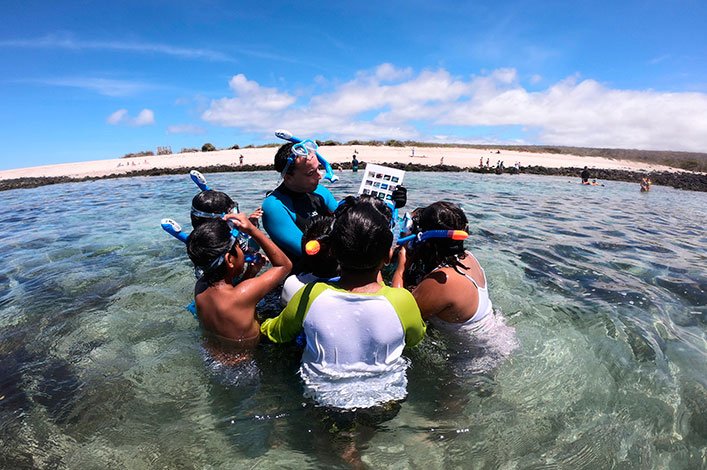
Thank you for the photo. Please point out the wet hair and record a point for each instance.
(205, 244)
(283, 153)
(361, 237)
(378, 204)
(322, 264)
(434, 252)
(214, 202)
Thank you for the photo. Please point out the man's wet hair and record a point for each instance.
(283, 153)
(206, 243)
(361, 237)
(322, 264)
(214, 202)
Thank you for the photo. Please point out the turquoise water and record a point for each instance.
(101, 366)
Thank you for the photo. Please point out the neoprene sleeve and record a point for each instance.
(279, 219)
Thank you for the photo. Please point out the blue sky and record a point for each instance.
(88, 80)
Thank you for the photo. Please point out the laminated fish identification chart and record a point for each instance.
(380, 181)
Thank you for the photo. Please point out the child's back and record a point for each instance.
(356, 329)
(228, 291)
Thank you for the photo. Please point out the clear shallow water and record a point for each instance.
(100, 365)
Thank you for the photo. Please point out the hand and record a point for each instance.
(241, 222)
(399, 196)
(255, 267)
(255, 216)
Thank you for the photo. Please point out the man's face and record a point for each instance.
(305, 176)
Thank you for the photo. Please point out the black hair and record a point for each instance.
(283, 153)
(205, 244)
(322, 264)
(361, 237)
(378, 204)
(214, 202)
(441, 215)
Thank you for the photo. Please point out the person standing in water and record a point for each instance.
(354, 163)
(585, 175)
(356, 328)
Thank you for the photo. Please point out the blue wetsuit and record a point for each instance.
(285, 213)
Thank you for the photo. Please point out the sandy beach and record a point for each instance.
(461, 157)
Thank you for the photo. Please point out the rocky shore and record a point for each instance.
(680, 180)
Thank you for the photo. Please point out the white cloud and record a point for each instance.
(103, 86)
(146, 117)
(186, 129)
(69, 42)
(117, 116)
(388, 102)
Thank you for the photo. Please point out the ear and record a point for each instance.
(230, 260)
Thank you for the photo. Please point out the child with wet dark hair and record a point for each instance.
(318, 262)
(228, 291)
(211, 204)
(448, 282)
(356, 328)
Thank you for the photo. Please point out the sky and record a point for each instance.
(89, 80)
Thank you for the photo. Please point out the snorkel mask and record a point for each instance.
(242, 240)
(287, 135)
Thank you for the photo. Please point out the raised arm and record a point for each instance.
(280, 225)
(257, 287)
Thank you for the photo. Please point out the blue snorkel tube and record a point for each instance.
(173, 228)
(199, 180)
(329, 172)
(416, 238)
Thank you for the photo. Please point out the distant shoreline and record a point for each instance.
(677, 179)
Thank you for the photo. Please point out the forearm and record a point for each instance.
(276, 256)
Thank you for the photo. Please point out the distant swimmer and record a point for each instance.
(585, 175)
(645, 184)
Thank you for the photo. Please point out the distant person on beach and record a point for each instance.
(240, 159)
(481, 162)
(355, 329)
(488, 162)
(585, 175)
(227, 290)
(354, 163)
(441, 161)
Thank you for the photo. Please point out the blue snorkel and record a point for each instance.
(416, 238)
(199, 180)
(173, 228)
(329, 172)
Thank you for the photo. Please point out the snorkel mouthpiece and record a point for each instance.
(283, 134)
(199, 180)
(174, 229)
(329, 172)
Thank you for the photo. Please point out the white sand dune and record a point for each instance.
(462, 157)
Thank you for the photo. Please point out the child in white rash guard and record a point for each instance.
(356, 329)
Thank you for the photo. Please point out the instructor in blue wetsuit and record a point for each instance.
(299, 197)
